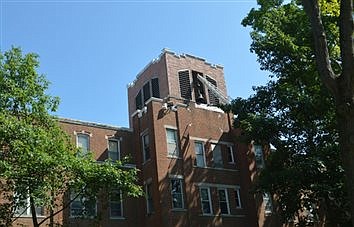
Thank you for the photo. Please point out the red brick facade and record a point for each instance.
(189, 187)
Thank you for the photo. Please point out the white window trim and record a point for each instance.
(89, 135)
(179, 178)
(209, 198)
(28, 212)
(255, 156)
(204, 155)
(238, 198)
(227, 200)
(231, 151)
(118, 140)
(121, 207)
(177, 156)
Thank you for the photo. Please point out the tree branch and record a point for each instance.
(346, 37)
(321, 49)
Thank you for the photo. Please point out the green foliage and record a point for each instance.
(37, 159)
(295, 113)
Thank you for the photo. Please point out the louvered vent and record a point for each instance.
(138, 101)
(155, 88)
(146, 91)
(185, 84)
(213, 100)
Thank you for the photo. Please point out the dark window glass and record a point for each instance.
(213, 100)
(138, 101)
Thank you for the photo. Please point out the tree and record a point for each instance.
(38, 163)
(306, 110)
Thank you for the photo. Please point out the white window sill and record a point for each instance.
(173, 157)
(179, 209)
(216, 168)
(117, 218)
(30, 216)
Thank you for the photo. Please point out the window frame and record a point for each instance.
(209, 200)
(145, 134)
(27, 209)
(203, 153)
(117, 140)
(81, 199)
(230, 153)
(149, 198)
(267, 203)
(258, 156)
(83, 134)
(238, 203)
(226, 200)
(176, 152)
(180, 179)
(217, 165)
(120, 202)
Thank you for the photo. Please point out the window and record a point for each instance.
(82, 206)
(205, 201)
(146, 91)
(146, 147)
(213, 100)
(238, 198)
(223, 201)
(138, 101)
(83, 142)
(217, 158)
(258, 152)
(113, 149)
(199, 91)
(115, 204)
(155, 88)
(24, 208)
(149, 201)
(267, 201)
(177, 193)
(172, 146)
(230, 154)
(199, 154)
(185, 84)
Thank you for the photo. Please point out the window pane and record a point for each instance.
(83, 142)
(199, 154)
(146, 91)
(172, 147)
(237, 199)
(177, 194)
(185, 84)
(155, 88)
(115, 204)
(205, 201)
(259, 156)
(149, 201)
(146, 147)
(217, 155)
(224, 207)
(230, 154)
(113, 150)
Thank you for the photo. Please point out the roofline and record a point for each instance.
(94, 124)
(168, 51)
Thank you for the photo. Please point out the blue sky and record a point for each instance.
(91, 50)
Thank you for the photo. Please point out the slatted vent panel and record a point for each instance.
(185, 84)
(155, 88)
(146, 91)
(213, 100)
(138, 101)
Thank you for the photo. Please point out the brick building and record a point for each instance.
(193, 171)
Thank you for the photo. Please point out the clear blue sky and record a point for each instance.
(91, 50)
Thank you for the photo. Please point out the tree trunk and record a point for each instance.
(33, 212)
(345, 117)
